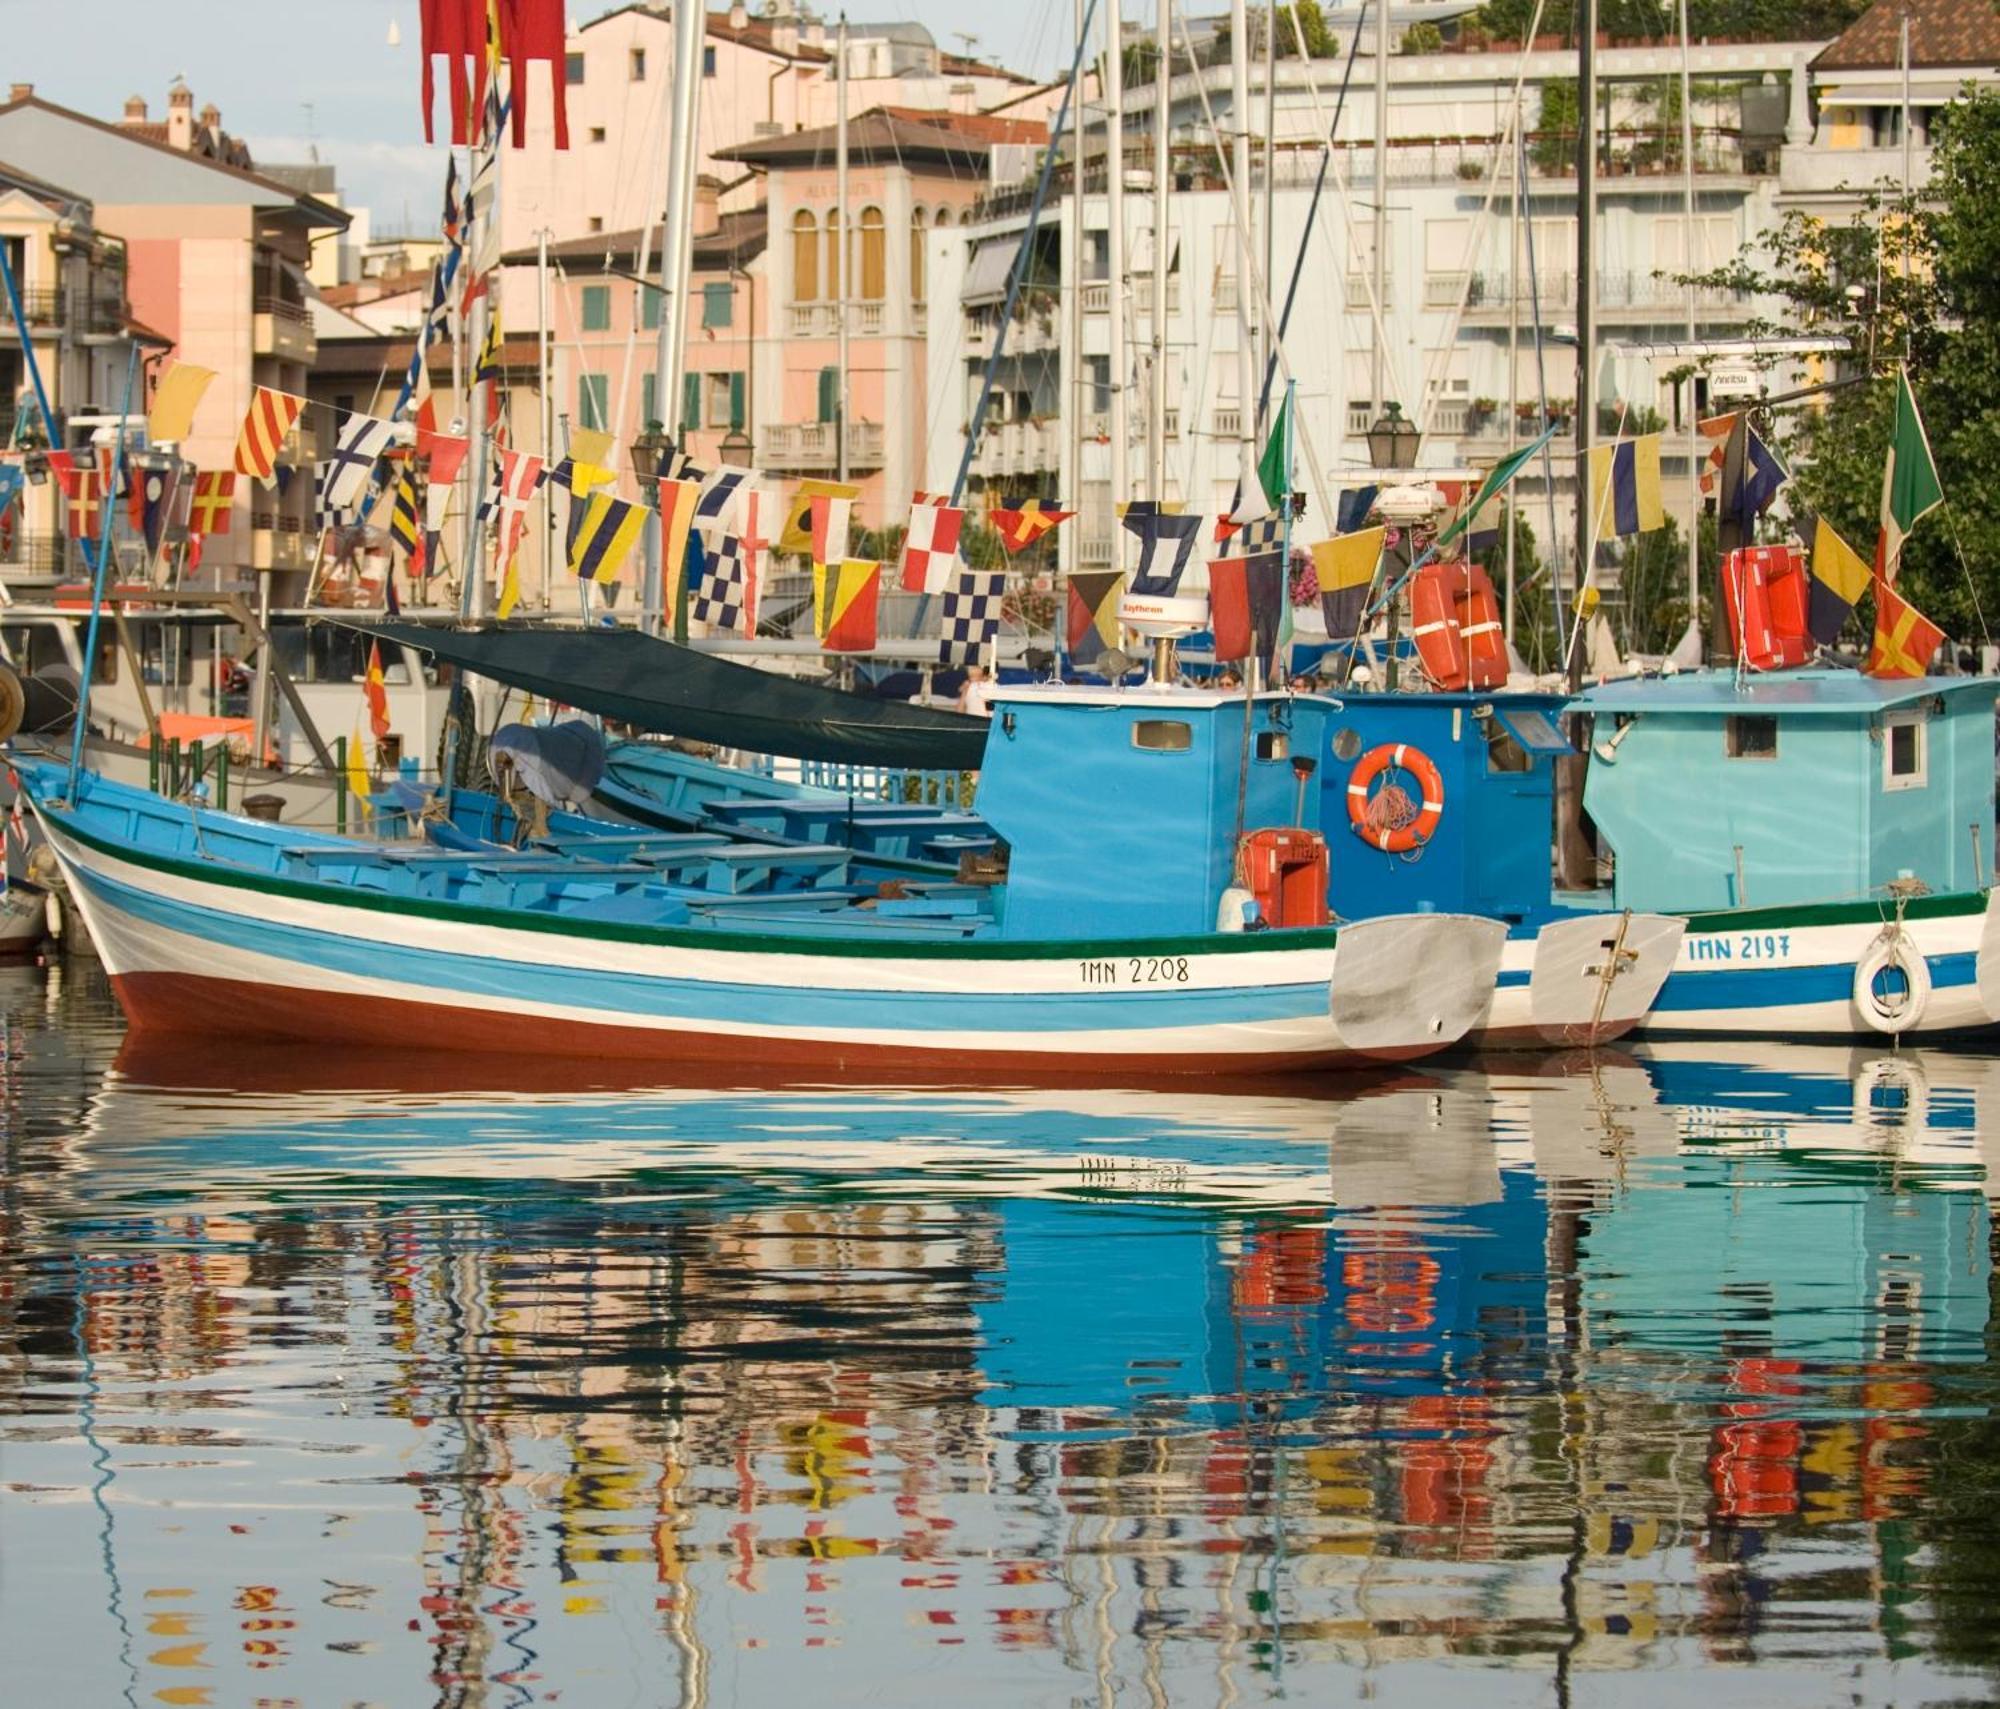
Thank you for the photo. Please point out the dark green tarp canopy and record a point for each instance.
(654, 685)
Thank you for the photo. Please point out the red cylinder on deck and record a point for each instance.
(1285, 869)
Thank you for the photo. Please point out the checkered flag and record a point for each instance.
(1266, 534)
(971, 615)
(718, 600)
(331, 515)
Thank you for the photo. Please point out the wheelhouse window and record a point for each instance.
(1905, 751)
(1753, 737)
(1163, 735)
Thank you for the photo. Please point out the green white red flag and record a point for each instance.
(1910, 486)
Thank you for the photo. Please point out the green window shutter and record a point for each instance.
(593, 393)
(649, 307)
(718, 304)
(736, 410)
(597, 308)
(649, 398)
(829, 393)
(690, 402)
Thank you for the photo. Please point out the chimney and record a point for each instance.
(180, 116)
(785, 32)
(707, 205)
(211, 117)
(135, 110)
(739, 15)
(814, 33)
(21, 92)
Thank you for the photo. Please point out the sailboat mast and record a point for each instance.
(1246, 322)
(676, 233)
(842, 263)
(1163, 89)
(1690, 258)
(1586, 309)
(547, 411)
(1076, 399)
(1378, 396)
(1114, 214)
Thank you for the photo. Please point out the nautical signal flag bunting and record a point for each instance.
(796, 535)
(844, 604)
(1910, 486)
(1840, 577)
(265, 427)
(1022, 521)
(1905, 639)
(1625, 487)
(214, 498)
(603, 539)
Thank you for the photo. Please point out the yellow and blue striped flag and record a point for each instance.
(1625, 487)
(604, 538)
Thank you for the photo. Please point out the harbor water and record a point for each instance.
(1664, 1376)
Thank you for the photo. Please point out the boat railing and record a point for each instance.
(946, 789)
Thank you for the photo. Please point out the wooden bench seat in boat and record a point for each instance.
(735, 868)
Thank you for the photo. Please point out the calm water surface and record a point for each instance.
(1665, 1379)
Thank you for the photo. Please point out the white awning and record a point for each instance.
(992, 266)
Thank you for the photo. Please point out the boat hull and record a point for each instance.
(194, 946)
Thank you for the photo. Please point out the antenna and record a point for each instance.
(967, 41)
(312, 133)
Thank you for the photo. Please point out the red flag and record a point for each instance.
(455, 30)
(1905, 639)
(1025, 521)
(375, 690)
(214, 497)
(62, 464)
(446, 452)
(83, 515)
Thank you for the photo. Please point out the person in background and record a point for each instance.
(975, 696)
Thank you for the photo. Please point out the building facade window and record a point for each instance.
(690, 402)
(834, 269)
(725, 400)
(649, 397)
(708, 61)
(718, 303)
(593, 402)
(874, 256)
(805, 258)
(638, 65)
(649, 307)
(916, 255)
(597, 308)
(572, 69)
(829, 393)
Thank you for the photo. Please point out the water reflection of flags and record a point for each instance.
(844, 601)
(1346, 568)
(1093, 613)
(1166, 544)
(1020, 522)
(971, 614)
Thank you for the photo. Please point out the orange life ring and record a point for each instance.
(1378, 820)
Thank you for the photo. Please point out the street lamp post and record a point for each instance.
(649, 450)
(1392, 444)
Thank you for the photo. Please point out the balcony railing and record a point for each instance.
(812, 445)
(33, 554)
(284, 308)
(1652, 292)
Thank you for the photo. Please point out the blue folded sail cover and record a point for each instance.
(668, 690)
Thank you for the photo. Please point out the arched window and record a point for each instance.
(916, 255)
(834, 272)
(805, 257)
(874, 257)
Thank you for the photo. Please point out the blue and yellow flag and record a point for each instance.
(1839, 579)
(604, 538)
(1625, 487)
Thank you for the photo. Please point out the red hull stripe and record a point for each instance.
(168, 1003)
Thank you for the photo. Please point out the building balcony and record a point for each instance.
(812, 320)
(277, 542)
(1846, 174)
(282, 330)
(1624, 296)
(1020, 448)
(810, 446)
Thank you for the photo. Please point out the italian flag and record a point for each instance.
(1909, 482)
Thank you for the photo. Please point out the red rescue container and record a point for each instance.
(1285, 869)
(1765, 594)
(1480, 628)
(1434, 626)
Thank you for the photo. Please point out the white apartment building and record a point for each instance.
(1456, 302)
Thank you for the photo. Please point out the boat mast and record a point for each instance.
(1586, 316)
(1513, 355)
(1688, 258)
(845, 249)
(1376, 376)
(547, 411)
(1246, 322)
(1121, 283)
(676, 232)
(1077, 397)
(1163, 89)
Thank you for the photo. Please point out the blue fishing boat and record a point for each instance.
(1091, 941)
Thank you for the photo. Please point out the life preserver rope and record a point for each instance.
(1892, 1011)
(1388, 819)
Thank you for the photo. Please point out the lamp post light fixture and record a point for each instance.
(649, 451)
(1392, 439)
(735, 448)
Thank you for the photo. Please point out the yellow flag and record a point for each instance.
(590, 461)
(174, 400)
(796, 535)
(1348, 561)
(510, 589)
(357, 766)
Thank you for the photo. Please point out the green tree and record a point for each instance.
(1554, 147)
(1916, 282)
(1422, 37)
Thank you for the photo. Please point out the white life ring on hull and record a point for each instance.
(1892, 1013)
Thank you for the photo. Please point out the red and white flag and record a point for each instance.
(930, 548)
(520, 480)
(829, 523)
